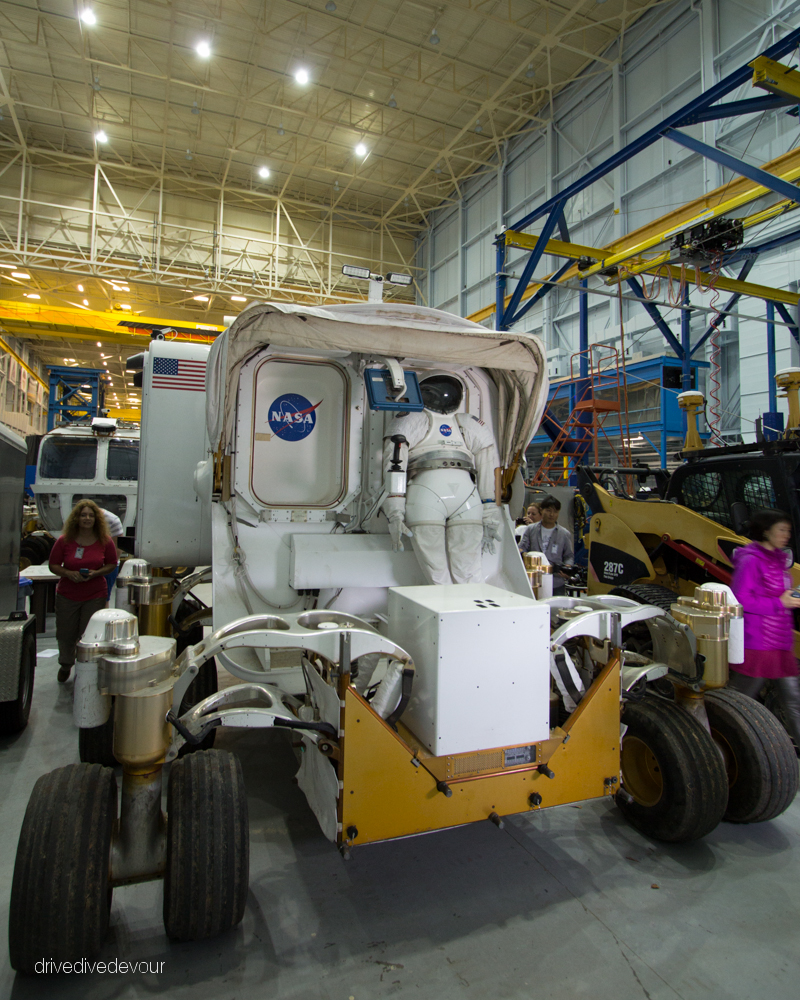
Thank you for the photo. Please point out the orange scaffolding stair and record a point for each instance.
(586, 422)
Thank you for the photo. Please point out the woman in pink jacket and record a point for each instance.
(762, 584)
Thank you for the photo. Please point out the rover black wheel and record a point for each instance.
(60, 896)
(759, 756)
(207, 874)
(672, 771)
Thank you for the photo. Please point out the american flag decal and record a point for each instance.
(175, 373)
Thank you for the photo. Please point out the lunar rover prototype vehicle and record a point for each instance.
(413, 707)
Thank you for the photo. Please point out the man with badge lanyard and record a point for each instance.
(552, 539)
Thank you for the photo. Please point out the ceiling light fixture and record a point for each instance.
(80, 288)
(203, 49)
(189, 154)
(96, 84)
(32, 295)
(200, 298)
(124, 305)
(88, 16)
(86, 302)
(195, 108)
(281, 130)
(392, 101)
(100, 136)
(20, 274)
(301, 76)
(530, 72)
(99, 344)
(263, 172)
(238, 298)
(438, 168)
(434, 39)
(330, 6)
(478, 127)
(361, 149)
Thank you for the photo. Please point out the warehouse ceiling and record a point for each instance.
(380, 109)
(430, 90)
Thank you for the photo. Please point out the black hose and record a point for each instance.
(187, 734)
(315, 727)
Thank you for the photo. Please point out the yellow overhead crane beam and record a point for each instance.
(557, 248)
(119, 327)
(775, 78)
(731, 204)
(634, 266)
(739, 190)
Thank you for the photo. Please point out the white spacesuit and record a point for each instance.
(449, 501)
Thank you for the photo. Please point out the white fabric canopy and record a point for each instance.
(515, 361)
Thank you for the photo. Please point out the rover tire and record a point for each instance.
(672, 770)
(60, 896)
(759, 756)
(207, 874)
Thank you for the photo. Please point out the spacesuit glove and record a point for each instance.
(395, 510)
(492, 520)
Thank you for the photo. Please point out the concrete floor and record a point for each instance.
(564, 904)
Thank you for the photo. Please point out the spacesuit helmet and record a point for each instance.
(441, 393)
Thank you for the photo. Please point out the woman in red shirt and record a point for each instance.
(83, 556)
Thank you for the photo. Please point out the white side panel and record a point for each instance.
(173, 523)
(319, 561)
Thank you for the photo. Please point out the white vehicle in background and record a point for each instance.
(97, 460)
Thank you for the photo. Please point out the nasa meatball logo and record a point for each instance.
(292, 417)
(445, 430)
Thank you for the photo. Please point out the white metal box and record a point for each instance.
(482, 665)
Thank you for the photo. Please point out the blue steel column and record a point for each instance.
(686, 344)
(773, 389)
(686, 349)
(583, 388)
(500, 282)
(583, 328)
(772, 420)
